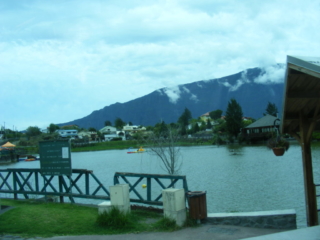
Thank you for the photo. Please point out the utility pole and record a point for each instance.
(4, 130)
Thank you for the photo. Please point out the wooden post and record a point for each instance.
(309, 187)
(61, 189)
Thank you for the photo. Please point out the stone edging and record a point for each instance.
(279, 219)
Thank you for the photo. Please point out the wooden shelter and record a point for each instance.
(8, 145)
(262, 129)
(301, 116)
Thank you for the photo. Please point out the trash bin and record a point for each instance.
(197, 204)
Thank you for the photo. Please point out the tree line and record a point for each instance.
(231, 124)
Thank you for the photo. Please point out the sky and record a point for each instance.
(61, 60)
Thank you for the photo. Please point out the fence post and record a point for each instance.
(61, 189)
(15, 185)
(148, 188)
(87, 183)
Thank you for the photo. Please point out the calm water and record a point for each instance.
(253, 180)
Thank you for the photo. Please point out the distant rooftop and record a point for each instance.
(265, 121)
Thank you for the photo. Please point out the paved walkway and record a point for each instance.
(203, 232)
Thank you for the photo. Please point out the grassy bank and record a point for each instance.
(106, 146)
(39, 219)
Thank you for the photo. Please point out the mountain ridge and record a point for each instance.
(252, 88)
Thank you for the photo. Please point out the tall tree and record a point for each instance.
(53, 128)
(118, 123)
(185, 117)
(160, 129)
(184, 120)
(215, 114)
(33, 131)
(209, 125)
(271, 109)
(107, 123)
(234, 117)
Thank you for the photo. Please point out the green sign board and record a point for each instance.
(55, 157)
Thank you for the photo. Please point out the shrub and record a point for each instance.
(166, 224)
(115, 220)
(116, 139)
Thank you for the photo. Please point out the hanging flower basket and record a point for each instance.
(278, 145)
(278, 151)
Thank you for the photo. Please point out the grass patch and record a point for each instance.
(32, 218)
(166, 224)
(116, 220)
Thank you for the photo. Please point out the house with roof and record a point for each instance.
(205, 116)
(67, 133)
(262, 129)
(108, 130)
(133, 128)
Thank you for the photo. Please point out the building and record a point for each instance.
(205, 117)
(262, 129)
(108, 130)
(109, 137)
(133, 128)
(67, 133)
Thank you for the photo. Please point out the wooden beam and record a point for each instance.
(306, 94)
(295, 116)
(313, 123)
(296, 136)
(310, 190)
(304, 70)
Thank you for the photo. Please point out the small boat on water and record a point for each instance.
(140, 150)
(30, 158)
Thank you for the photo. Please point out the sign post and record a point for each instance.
(55, 157)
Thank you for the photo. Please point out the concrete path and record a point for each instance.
(203, 232)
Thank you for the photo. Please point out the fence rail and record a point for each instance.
(158, 178)
(28, 181)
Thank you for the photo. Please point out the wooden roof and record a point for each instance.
(266, 121)
(301, 93)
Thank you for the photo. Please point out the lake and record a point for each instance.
(252, 180)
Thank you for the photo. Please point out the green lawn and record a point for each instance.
(38, 219)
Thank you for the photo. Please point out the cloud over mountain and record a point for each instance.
(167, 104)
